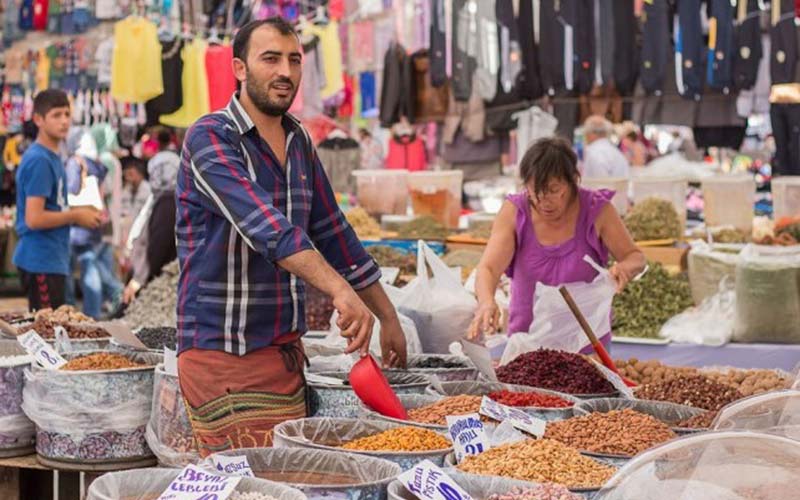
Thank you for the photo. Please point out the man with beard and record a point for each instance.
(256, 220)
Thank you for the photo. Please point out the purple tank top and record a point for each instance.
(553, 265)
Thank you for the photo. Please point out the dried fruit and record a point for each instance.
(529, 399)
(46, 329)
(555, 370)
(617, 432)
(366, 227)
(702, 421)
(694, 390)
(250, 495)
(101, 361)
(437, 412)
(400, 439)
(654, 219)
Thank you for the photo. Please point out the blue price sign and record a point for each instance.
(428, 482)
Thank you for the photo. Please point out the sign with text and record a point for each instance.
(194, 483)
(41, 351)
(428, 482)
(234, 466)
(518, 418)
(467, 434)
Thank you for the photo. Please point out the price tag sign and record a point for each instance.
(233, 466)
(41, 351)
(122, 333)
(481, 357)
(518, 418)
(170, 362)
(63, 343)
(428, 482)
(194, 483)
(467, 434)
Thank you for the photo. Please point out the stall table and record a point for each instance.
(769, 356)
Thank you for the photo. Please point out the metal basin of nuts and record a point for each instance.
(93, 417)
(669, 413)
(446, 367)
(328, 400)
(16, 430)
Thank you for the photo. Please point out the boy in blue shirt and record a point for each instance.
(43, 217)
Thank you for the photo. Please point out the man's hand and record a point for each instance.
(130, 291)
(355, 321)
(393, 343)
(86, 217)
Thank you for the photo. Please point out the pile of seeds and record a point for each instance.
(555, 370)
(101, 361)
(645, 305)
(693, 390)
(363, 224)
(702, 421)
(46, 329)
(542, 460)
(454, 405)
(423, 228)
(387, 256)
(529, 399)
(617, 432)
(156, 303)
(158, 338)
(546, 491)
(431, 362)
(653, 219)
(400, 439)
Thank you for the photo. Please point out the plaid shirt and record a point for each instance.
(238, 213)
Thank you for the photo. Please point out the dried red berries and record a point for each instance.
(555, 370)
(529, 399)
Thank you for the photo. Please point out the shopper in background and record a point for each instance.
(43, 217)
(246, 245)
(602, 158)
(134, 193)
(542, 234)
(632, 146)
(371, 151)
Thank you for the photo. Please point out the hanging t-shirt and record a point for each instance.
(331, 57)
(171, 71)
(103, 56)
(136, 63)
(221, 82)
(26, 15)
(40, 14)
(42, 70)
(107, 9)
(195, 87)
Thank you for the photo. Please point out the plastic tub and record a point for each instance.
(341, 401)
(382, 192)
(672, 189)
(438, 194)
(16, 430)
(319, 473)
(729, 201)
(786, 196)
(618, 184)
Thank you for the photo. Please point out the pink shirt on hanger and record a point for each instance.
(219, 71)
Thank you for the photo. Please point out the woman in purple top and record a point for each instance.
(542, 234)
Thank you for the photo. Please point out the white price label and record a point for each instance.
(467, 434)
(428, 482)
(170, 362)
(41, 351)
(63, 343)
(194, 483)
(233, 466)
(518, 418)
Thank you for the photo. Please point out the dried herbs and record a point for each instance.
(654, 219)
(423, 228)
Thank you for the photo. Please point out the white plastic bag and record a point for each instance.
(710, 323)
(439, 305)
(708, 265)
(555, 327)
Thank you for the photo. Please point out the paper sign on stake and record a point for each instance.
(518, 418)
(467, 434)
(428, 482)
(122, 334)
(194, 483)
(233, 466)
(170, 362)
(63, 343)
(41, 351)
(480, 357)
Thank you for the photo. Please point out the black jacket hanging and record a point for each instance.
(656, 45)
(397, 94)
(692, 49)
(529, 82)
(720, 71)
(438, 49)
(552, 30)
(581, 18)
(783, 35)
(626, 57)
(464, 65)
(507, 101)
(748, 50)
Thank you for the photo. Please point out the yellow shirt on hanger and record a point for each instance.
(194, 82)
(136, 61)
(42, 70)
(331, 56)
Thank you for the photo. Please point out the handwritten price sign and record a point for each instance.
(428, 482)
(233, 466)
(467, 434)
(41, 351)
(194, 483)
(518, 418)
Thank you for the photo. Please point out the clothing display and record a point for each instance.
(785, 120)
(406, 152)
(397, 93)
(136, 63)
(656, 46)
(219, 71)
(171, 70)
(689, 49)
(748, 46)
(194, 85)
(331, 47)
(430, 102)
(339, 157)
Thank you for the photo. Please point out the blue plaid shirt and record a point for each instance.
(238, 213)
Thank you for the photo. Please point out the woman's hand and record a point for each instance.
(622, 275)
(486, 320)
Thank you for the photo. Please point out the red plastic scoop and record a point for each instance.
(371, 387)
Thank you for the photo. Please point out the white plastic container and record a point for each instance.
(729, 201)
(438, 194)
(382, 192)
(618, 184)
(672, 189)
(786, 196)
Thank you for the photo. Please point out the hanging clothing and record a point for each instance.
(369, 103)
(475, 48)
(406, 152)
(371, 154)
(339, 157)
(171, 70)
(362, 53)
(532, 125)
(136, 63)
(748, 50)
(438, 49)
(462, 151)
(783, 34)
(605, 37)
(656, 46)
(313, 78)
(720, 45)
(331, 47)
(103, 58)
(431, 102)
(219, 71)
(40, 14)
(554, 50)
(785, 121)
(195, 87)
(690, 50)
(626, 48)
(579, 15)
(397, 93)
(507, 100)
(469, 117)
(529, 82)
(755, 99)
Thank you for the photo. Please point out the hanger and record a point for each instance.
(321, 16)
(337, 133)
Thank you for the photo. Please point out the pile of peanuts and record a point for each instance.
(101, 361)
(400, 439)
(542, 460)
(546, 491)
(455, 405)
(694, 390)
(618, 432)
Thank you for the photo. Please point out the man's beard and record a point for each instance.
(259, 94)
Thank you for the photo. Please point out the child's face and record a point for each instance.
(55, 123)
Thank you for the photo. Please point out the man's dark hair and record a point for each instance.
(550, 158)
(164, 138)
(49, 99)
(135, 163)
(241, 42)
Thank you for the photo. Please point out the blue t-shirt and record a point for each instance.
(41, 173)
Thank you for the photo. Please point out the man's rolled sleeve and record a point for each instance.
(220, 174)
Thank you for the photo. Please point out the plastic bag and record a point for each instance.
(708, 265)
(335, 340)
(169, 433)
(316, 471)
(768, 295)
(148, 484)
(439, 305)
(477, 486)
(776, 412)
(555, 327)
(710, 323)
(16, 430)
(669, 413)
